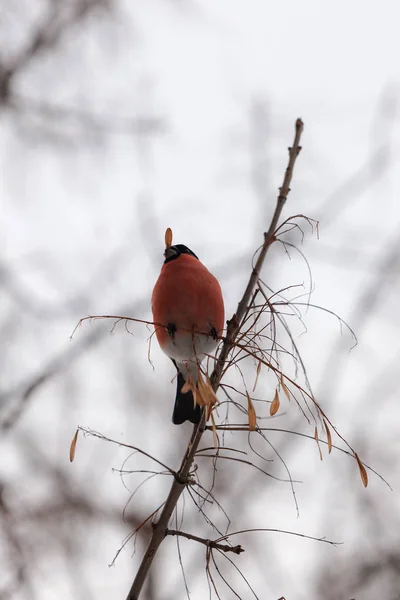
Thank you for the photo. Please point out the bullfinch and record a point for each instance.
(188, 309)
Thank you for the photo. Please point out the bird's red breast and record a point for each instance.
(189, 297)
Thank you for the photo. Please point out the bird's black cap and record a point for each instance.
(175, 251)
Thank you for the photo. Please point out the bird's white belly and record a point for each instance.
(185, 346)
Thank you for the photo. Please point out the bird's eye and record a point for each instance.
(171, 251)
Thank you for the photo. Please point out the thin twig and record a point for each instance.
(298, 433)
(269, 529)
(209, 543)
(181, 478)
(123, 445)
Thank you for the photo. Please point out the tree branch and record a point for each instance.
(181, 478)
(269, 237)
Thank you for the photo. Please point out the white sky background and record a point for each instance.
(101, 205)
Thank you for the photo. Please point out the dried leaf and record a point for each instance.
(204, 399)
(251, 413)
(285, 388)
(363, 471)
(213, 395)
(206, 395)
(317, 440)
(168, 238)
(257, 374)
(195, 396)
(73, 446)
(215, 434)
(328, 435)
(275, 404)
(201, 383)
(188, 386)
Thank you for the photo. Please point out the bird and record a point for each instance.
(188, 310)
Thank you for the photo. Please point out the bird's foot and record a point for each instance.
(214, 333)
(171, 328)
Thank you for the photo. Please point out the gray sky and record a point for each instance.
(84, 213)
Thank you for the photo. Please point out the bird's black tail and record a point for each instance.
(184, 409)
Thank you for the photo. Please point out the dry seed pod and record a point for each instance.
(285, 388)
(274, 407)
(317, 440)
(363, 472)
(257, 375)
(214, 432)
(251, 413)
(168, 238)
(328, 435)
(73, 446)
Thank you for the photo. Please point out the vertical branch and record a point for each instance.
(235, 322)
(182, 476)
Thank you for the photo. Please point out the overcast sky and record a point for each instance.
(85, 214)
